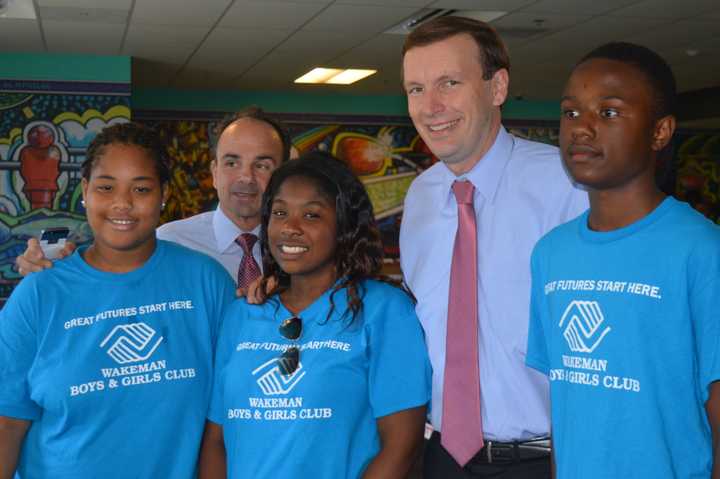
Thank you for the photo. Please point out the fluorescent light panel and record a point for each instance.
(334, 76)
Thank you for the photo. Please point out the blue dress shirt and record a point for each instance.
(521, 192)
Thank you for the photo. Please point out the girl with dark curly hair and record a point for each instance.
(329, 377)
(106, 358)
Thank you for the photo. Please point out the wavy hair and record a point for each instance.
(358, 251)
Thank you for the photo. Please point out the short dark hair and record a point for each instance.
(493, 54)
(134, 134)
(653, 66)
(359, 250)
(256, 113)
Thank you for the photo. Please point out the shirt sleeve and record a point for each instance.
(399, 372)
(537, 353)
(705, 317)
(228, 331)
(18, 350)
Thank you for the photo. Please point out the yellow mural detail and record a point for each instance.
(27, 111)
(117, 111)
(14, 133)
(387, 193)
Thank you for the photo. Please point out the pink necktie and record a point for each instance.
(461, 419)
(249, 270)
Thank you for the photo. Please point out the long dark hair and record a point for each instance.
(358, 251)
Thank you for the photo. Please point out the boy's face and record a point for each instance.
(608, 131)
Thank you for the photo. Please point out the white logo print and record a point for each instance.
(273, 382)
(583, 331)
(131, 342)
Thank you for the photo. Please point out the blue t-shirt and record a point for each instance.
(319, 422)
(625, 324)
(113, 370)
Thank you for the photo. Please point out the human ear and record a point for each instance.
(499, 83)
(663, 132)
(84, 187)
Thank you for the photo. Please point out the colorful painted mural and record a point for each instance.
(45, 128)
(697, 171)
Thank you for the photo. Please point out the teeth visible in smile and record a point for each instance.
(292, 249)
(442, 126)
(122, 222)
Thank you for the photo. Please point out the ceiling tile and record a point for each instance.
(82, 37)
(605, 29)
(269, 15)
(162, 42)
(585, 7)
(386, 3)
(686, 33)
(277, 70)
(327, 44)
(112, 4)
(496, 5)
(673, 9)
(234, 50)
(91, 15)
(570, 44)
(380, 50)
(547, 22)
(172, 12)
(20, 36)
(319, 2)
(369, 19)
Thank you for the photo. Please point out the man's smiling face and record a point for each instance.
(455, 111)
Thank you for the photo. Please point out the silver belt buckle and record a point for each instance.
(488, 451)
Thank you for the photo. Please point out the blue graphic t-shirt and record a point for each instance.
(319, 422)
(625, 324)
(113, 370)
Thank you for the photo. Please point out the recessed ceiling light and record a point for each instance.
(335, 76)
(318, 75)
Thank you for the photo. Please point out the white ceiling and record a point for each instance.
(265, 44)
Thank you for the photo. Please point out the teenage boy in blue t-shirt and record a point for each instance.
(623, 313)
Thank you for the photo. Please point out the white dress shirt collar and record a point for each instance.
(226, 232)
(487, 172)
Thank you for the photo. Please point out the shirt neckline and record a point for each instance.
(134, 275)
(608, 236)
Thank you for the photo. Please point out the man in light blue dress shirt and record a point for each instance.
(456, 75)
(251, 145)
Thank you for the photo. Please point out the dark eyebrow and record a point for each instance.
(137, 178)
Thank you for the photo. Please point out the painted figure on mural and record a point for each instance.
(40, 166)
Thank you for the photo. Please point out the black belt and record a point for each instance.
(507, 452)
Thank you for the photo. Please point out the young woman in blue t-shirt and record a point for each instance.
(106, 358)
(329, 377)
